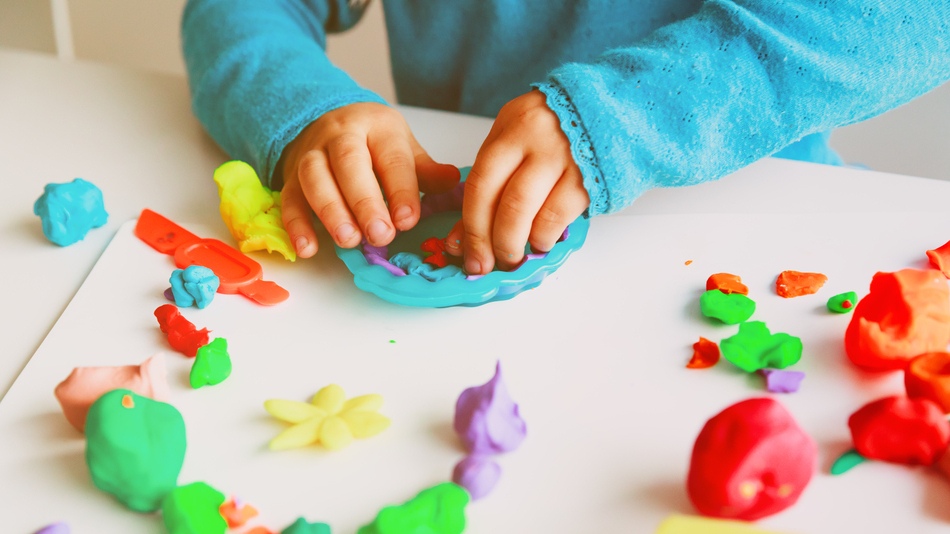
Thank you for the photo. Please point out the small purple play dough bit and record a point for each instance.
(478, 474)
(55, 528)
(782, 381)
(487, 420)
(379, 256)
(169, 294)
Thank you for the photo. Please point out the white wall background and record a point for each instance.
(913, 139)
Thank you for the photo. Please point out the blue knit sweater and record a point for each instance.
(651, 93)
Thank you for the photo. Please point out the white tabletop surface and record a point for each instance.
(133, 135)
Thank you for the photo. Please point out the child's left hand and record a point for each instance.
(524, 187)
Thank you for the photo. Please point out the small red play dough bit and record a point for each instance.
(705, 354)
(183, 336)
(236, 513)
(928, 377)
(900, 430)
(940, 258)
(727, 283)
(905, 314)
(750, 461)
(436, 247)
(795, 283)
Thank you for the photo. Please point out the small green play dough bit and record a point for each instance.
(301, 526)
(754, 348)
(436, 510)
(135, 447)
(730, 308)
(212, 364)
(843, 302)
(846, 461)
(193, 509)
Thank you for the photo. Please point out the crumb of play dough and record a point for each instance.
(194, 286)
(69, 211)
(193, 509)
(182, 335)
(487, 419)
(900, 430)
(705, 354)
(55, 528)
(251, 211)
(687, 262)
(842, 302)
(436, 249)
(928, 376)
(436, 510)
(847, 461)
(237, 512)
(328, 419)
(478, 474)
(730, 308)
(940, 258)
(135, 448)
(905, 314)
(782, 381)
(85, 385)
(795, 283)
(212, 364)
(301, 526)
(727, 283)
(683, 524)
(750, 461)
(754, 348)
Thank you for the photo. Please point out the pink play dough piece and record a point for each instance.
(86, 384)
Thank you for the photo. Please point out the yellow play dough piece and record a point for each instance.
(251, 211)
(682, 524)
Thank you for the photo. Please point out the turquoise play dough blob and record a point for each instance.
(432, 291)
(193, 509)
(68, 211)
(194, 285)
(135, 448)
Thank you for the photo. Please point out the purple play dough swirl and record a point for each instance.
(487, 419)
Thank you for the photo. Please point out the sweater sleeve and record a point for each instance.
(740, 80)
(259, 74)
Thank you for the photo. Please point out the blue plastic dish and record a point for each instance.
(415, 290)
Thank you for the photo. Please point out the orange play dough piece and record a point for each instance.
(905, 314)
(795, 283)
(940, 258)
(705, 354)
(928, 376)
(235, 514)
(727, 283)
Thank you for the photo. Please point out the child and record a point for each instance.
(595, 101)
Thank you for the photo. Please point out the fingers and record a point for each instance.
(567, 202)
(296, 216)
(394, 164)
(351, 164)
(523, 197)
(483, 190)
(318, 186)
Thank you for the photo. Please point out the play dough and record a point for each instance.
(940, 258)
(329, 419)
(69, 211)
(301, 526)
(194, 286)
(682, 524)
(846, 462)
(212, 364)
(795, 283)
(782, 381)
(436, 510)
(193, 509)
(730, 308)
(705, 354)
(842, 302)
(750, 461)
(55, 528)
(135, 448)
(236, 512)
(727, 283)
(928, 377)
(182, 335)
(754, 348)
(487, 419)
(85, 385)
(251, 211)
(478, 474)
(900, 430)
(905, 314)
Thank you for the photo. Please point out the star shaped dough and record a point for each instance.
(328, 419)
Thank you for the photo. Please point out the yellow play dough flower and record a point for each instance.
(328, 419)
(251, 211)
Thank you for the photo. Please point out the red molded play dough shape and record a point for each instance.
(750, 461)
(237, 273)
(928, 377)
(900, 430)
(182, 335)
(905, 314)
(940, 258)
(795, 283)
(705, 354)
(727, 283)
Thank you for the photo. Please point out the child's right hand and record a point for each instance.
(331, 169)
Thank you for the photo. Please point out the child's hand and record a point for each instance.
(331, 169)
(524, 187)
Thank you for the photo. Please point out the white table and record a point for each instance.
(132, 134)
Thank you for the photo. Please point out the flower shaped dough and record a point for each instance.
(328, 419)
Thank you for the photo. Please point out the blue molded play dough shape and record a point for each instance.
(68, 211)
(413, 289)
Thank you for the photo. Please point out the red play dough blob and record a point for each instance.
(705, 354)
(905, 314)
(928, 377)
(182, 335)
(750, 461)
(940, 258)
(900, 430)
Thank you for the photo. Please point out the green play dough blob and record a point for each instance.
(212, 364)
(301, 526)
(436, 510)
(193, 509)
(846, 461)
(730, 308)
(135, 447)
(835, 303)
(754, 348)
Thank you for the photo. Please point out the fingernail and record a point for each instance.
(401, 213)
(344, 232)
(300, 244)
(377, 230)
(472, 266)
